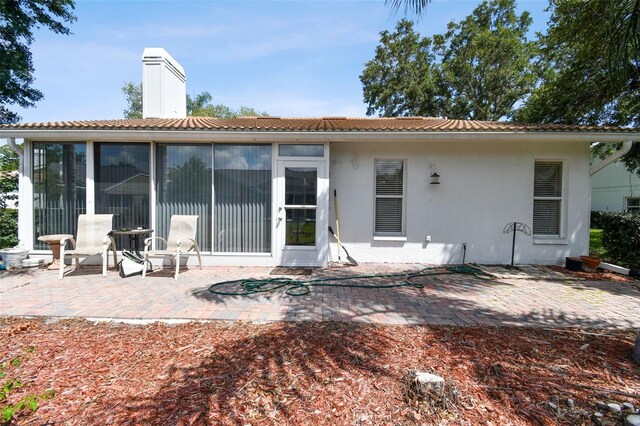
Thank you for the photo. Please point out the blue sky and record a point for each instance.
(293, 58)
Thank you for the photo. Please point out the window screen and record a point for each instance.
(547, 198)
(389, 197)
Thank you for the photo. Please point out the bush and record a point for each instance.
(8, 228)
(595, 219)
(621, 237)
(8, 217)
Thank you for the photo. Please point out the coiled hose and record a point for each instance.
(302, 287)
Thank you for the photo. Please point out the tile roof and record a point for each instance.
(322, 124)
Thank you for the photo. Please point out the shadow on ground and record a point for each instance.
(449, 299)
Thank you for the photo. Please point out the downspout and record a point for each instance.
(626, 147)
(15, 148)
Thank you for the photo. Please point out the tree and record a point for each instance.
(197, 106)
(487, 61)
(584, 80)
(480, 68)
(133, 97)
(18, 18)
(401, 79)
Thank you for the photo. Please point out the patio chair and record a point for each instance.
(181, 240)
(92, 239)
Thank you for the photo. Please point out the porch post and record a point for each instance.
(25, 193)
(90, 188)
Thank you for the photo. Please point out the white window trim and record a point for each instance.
(560, 239)
(389, 236)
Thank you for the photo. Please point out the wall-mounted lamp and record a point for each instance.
(435, 179)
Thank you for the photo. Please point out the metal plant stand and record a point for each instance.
(515, 227)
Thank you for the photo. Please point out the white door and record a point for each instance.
(301, 218)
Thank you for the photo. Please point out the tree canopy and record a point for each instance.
(18, 19)
(584, 69)
(479, 69)
(197, 106)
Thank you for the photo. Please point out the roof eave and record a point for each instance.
(311, 136)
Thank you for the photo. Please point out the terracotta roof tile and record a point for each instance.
(324, 124)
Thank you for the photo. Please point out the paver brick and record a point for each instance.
(445, 299)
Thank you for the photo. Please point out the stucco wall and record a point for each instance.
(611, 185)
(483, 187)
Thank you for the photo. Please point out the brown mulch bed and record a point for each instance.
(312, 373)
(598, 275)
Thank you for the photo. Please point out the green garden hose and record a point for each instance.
(302, 287)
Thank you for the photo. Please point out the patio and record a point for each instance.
(454, 299)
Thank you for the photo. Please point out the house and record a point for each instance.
(615, 189)
(409, 189)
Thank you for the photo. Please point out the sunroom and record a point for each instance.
(233, 188)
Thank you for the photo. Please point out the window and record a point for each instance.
(59, 190)
(122, 184)
(389, 197)
(632, 204)
(242, 189)
(293, 150)
(547, 198)
(183, 186)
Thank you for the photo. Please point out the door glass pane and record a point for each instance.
(59, 191)
(183, 186)
(293, 150)
(122, 184)
(242, 208)
(301, 186)
(301, 227)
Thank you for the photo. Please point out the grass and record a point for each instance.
(595, 244)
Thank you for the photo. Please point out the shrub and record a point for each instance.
(621, 237)
(595, 219)
(8, 228)
(8, 217)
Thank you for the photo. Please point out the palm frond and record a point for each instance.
(409, 6)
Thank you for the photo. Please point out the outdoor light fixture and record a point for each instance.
(435, 179)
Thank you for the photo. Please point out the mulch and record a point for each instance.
(597, 275)
(312, 373)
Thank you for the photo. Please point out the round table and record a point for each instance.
(134, 237)
(54, 244)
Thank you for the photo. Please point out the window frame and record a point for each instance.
(401, 236)
(631, 209)
(561, 236)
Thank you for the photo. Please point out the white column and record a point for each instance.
(152, 191)
(25, 196)
(90, 188)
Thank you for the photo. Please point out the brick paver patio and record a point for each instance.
(445, 299)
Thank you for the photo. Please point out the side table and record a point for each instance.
(54, 244)
(134, 237)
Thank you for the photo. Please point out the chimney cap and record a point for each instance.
(158, 54)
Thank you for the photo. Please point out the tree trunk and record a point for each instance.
(636, 349)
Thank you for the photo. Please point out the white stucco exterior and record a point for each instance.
(485, 184)
(483, 187)
(611, 186)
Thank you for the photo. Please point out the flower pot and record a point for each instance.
(573, 263)
(591, 262)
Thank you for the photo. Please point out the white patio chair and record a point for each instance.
(92, 239)
(182, 239)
